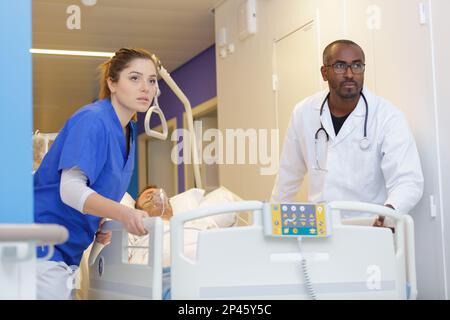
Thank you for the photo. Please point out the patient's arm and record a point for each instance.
(103, 237)
(76, 193)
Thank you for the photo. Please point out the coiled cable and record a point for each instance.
(307, 277)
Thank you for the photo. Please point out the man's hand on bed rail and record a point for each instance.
(379, 220)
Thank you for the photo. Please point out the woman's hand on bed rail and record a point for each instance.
(133, 221)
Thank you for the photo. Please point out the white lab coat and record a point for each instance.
(388, 172)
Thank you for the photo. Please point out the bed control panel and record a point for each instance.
(296, 220)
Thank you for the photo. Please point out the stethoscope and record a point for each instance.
(364, 144)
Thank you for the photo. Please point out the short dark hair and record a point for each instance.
(152, 186)
(326, 52)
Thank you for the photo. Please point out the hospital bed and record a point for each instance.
(112, 277)
(354, 262)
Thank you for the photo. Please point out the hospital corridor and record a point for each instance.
(224, 150)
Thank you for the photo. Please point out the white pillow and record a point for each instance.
(186, 201)
(128, 200)
(221, 196)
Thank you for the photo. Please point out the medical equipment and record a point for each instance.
(17, 256)
(155, 108)
(364, 144)
(354, 262)
(163, 200)
(187, 106)
(296, 219)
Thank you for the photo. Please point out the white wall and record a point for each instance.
(441, 47)
(399, 61)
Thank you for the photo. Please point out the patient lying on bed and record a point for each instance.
(155, 202)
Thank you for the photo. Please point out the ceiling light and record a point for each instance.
(89, 2)
(72, 53)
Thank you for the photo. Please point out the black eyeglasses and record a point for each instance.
(341, 67)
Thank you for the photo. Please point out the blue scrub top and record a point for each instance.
(93, 140)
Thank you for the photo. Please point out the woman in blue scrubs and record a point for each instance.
(89, 166)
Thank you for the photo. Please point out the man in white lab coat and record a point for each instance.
(355, 145)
